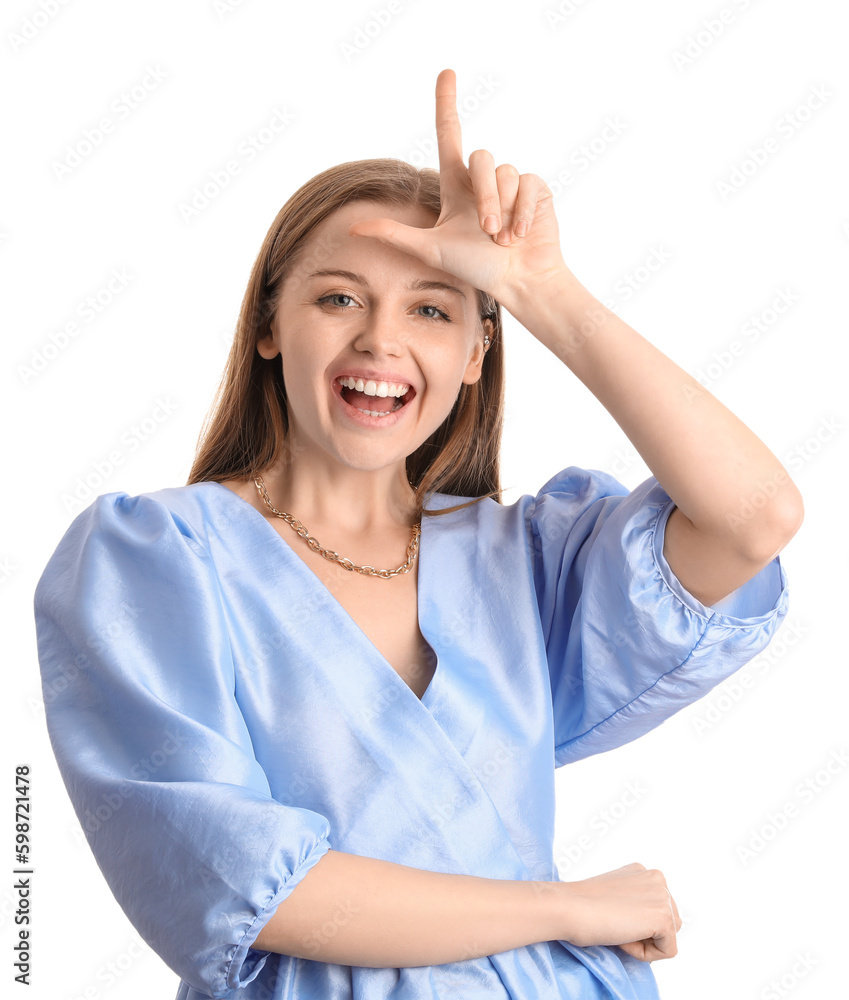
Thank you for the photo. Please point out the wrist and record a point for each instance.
(553, 307)
(568, 903)
(546, 909)
(526, 290)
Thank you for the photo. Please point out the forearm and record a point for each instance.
(708, 461)
(352, 910)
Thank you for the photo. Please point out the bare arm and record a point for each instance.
(735, 504)
(352, 910)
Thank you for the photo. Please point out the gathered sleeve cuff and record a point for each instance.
(627, 644)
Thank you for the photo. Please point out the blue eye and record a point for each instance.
(441, 317)
(445, 317)
(334, 295)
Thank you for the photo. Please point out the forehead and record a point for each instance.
(360, 208)
(330, 247)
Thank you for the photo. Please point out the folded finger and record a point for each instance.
(507, 179)
(482, 174)
(531, 188)
(679, 923)
(666, 945)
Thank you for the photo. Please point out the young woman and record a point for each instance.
(309, 706)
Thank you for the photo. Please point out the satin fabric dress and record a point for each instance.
(220, 721)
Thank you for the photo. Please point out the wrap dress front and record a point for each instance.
(220, 722)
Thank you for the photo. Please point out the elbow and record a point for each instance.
(789, 516)
(794, 515)
(776, 527)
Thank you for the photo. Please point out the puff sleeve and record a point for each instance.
(138, 682)
(627, 646)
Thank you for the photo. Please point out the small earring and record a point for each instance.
(486, 343)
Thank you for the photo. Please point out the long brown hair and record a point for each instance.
(246, 428)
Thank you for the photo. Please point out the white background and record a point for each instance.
(691, 106)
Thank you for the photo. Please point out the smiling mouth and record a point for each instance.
(375, 404)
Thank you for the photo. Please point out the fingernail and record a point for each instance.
(521, 227)
(490, 224)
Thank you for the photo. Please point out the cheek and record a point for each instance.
(298, 354)
(445, 373)
(299, 375)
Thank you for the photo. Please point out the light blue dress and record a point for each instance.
(220, 721)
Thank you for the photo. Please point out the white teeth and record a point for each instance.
(372, 388)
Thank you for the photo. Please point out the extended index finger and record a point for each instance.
(448, 135)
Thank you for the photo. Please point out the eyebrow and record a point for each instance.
(419, 285)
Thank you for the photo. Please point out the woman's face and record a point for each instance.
(380, 316)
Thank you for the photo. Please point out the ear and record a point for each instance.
(266, 347)
(474, 369)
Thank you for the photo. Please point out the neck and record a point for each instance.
(353, 502)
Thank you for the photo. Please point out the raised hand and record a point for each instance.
(496, 228)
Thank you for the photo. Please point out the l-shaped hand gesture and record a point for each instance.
(496, 228)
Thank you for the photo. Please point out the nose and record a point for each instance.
(380, 332)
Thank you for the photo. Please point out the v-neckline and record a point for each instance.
(341, 612)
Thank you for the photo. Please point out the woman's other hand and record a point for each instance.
(496, 228)
(630, 907)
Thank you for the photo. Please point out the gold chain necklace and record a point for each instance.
(412, 548)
